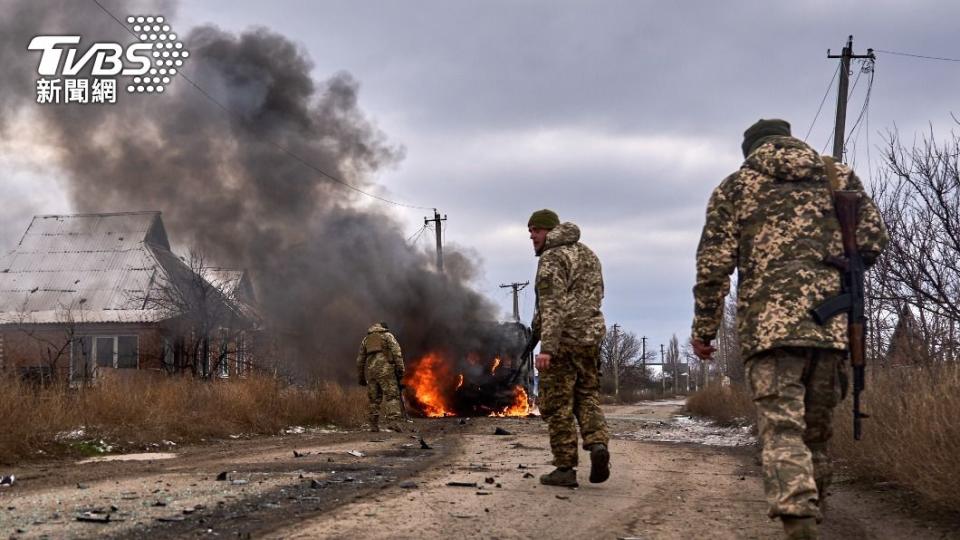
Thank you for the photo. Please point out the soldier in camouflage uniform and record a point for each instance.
(773, 220)
(379, 367)
(570, 325)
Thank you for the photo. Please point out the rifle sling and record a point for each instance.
(833, 181)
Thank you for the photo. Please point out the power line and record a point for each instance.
(822, 101)
(941, 58)
(275, 144)
(417, 234)
(866, 104)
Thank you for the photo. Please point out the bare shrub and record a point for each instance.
(726, 405)
(912, 437)
(141, 411)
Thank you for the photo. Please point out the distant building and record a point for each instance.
(93, 295)
(907, 346)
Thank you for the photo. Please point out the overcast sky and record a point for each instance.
(620, 115)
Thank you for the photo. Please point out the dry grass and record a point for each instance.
(913, 435)
(726, 405)
(141, 411)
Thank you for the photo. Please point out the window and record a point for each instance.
(127, 352)
(107, 351)
(103, 349)
(224, 359)
(241, 360)
(81, 358)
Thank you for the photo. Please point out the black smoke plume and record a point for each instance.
(326, 262)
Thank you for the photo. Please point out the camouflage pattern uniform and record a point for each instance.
(569, 288)
(379, 364)
(773, 220)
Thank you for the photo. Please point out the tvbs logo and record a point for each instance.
(147, 66)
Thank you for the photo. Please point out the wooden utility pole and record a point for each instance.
(616, 361)
(517, 287)
(663, 371)
(839, 129)
(438, 221)
(643, 354)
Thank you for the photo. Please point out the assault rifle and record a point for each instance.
(527, 359)
(403, 406)
(851, 298)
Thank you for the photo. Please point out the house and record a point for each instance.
(94, 295)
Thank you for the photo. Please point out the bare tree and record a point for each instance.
(52, 343)
(919, 196)
(623, 349)
(208, 324)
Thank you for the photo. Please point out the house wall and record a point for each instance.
(45, 348)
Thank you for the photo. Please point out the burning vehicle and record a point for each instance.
(496, 380)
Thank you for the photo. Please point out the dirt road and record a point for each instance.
(672, 478)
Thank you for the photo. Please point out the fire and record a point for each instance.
(496, 364)
(426, 382)
(520, 406)
(459, 381)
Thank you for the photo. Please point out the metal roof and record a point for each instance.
(84, 268)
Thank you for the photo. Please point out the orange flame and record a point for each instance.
(520, 406)
(426, 382)
(496, 364)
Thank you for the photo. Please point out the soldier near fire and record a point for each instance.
(380, 369)
(570, 325)
(773, 220)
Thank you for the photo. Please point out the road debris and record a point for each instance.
(501, 431)
(7, 481)
(424, 445)
(527, 475)
(93, 517)
(300, 454)
(409, 484)
(462, 484)
(356, 453)
(222, 477)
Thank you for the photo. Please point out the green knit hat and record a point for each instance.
(543, 219)
(761, 130)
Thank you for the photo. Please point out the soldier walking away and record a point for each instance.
(380, 368)
(773, 221)
(570, 326)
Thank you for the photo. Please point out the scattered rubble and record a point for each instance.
(462, 484)
(501, 431)
(356, 453)
(93, 517)
(7, 481)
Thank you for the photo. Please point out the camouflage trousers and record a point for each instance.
(795, 390)
(382, 389)
(570, 388)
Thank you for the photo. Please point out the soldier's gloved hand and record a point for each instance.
(703, 350)
(543, 361)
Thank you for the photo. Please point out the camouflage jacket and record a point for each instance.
(378, 349)
(773, 221)
(569, 290)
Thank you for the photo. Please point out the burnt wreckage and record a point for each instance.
(497, 380)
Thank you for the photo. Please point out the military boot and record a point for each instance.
(797, 528)
(561, 476)
(599, 463)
